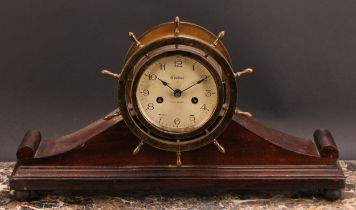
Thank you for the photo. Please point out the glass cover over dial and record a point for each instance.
(176, 94)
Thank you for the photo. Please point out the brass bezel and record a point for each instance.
(125, 85)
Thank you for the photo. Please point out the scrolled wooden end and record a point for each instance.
(325, 143)
(28, 146)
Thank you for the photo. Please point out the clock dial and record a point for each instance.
(177, 94)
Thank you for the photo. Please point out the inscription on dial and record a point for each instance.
(177, 94)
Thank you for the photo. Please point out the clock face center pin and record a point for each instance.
(177, 93)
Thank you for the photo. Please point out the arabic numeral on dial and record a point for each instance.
(176, 121)
(145, 92)
(150, 106)
(204, 107)
(160, 117)
(162, 66)
(178, 62)
(208, 93)
(151, 76)
(192, 117)
(193, 67)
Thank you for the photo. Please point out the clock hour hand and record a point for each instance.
(198, 82)
(166, 84)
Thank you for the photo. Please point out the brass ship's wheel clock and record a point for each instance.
(177, 91)
(177, 127)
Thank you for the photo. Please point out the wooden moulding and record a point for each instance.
(99, 157)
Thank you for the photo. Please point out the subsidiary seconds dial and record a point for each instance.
(176, 94)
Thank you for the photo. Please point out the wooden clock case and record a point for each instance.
(99, 156)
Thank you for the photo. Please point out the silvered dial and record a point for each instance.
(177, 94)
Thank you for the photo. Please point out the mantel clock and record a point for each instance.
(177, 127)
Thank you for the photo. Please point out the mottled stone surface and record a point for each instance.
(157, 200)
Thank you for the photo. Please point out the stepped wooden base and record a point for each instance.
(99, 157)
(179, 178)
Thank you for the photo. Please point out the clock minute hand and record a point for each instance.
(198, 82)
(166, 84)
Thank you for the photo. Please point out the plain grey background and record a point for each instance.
(303, 53)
